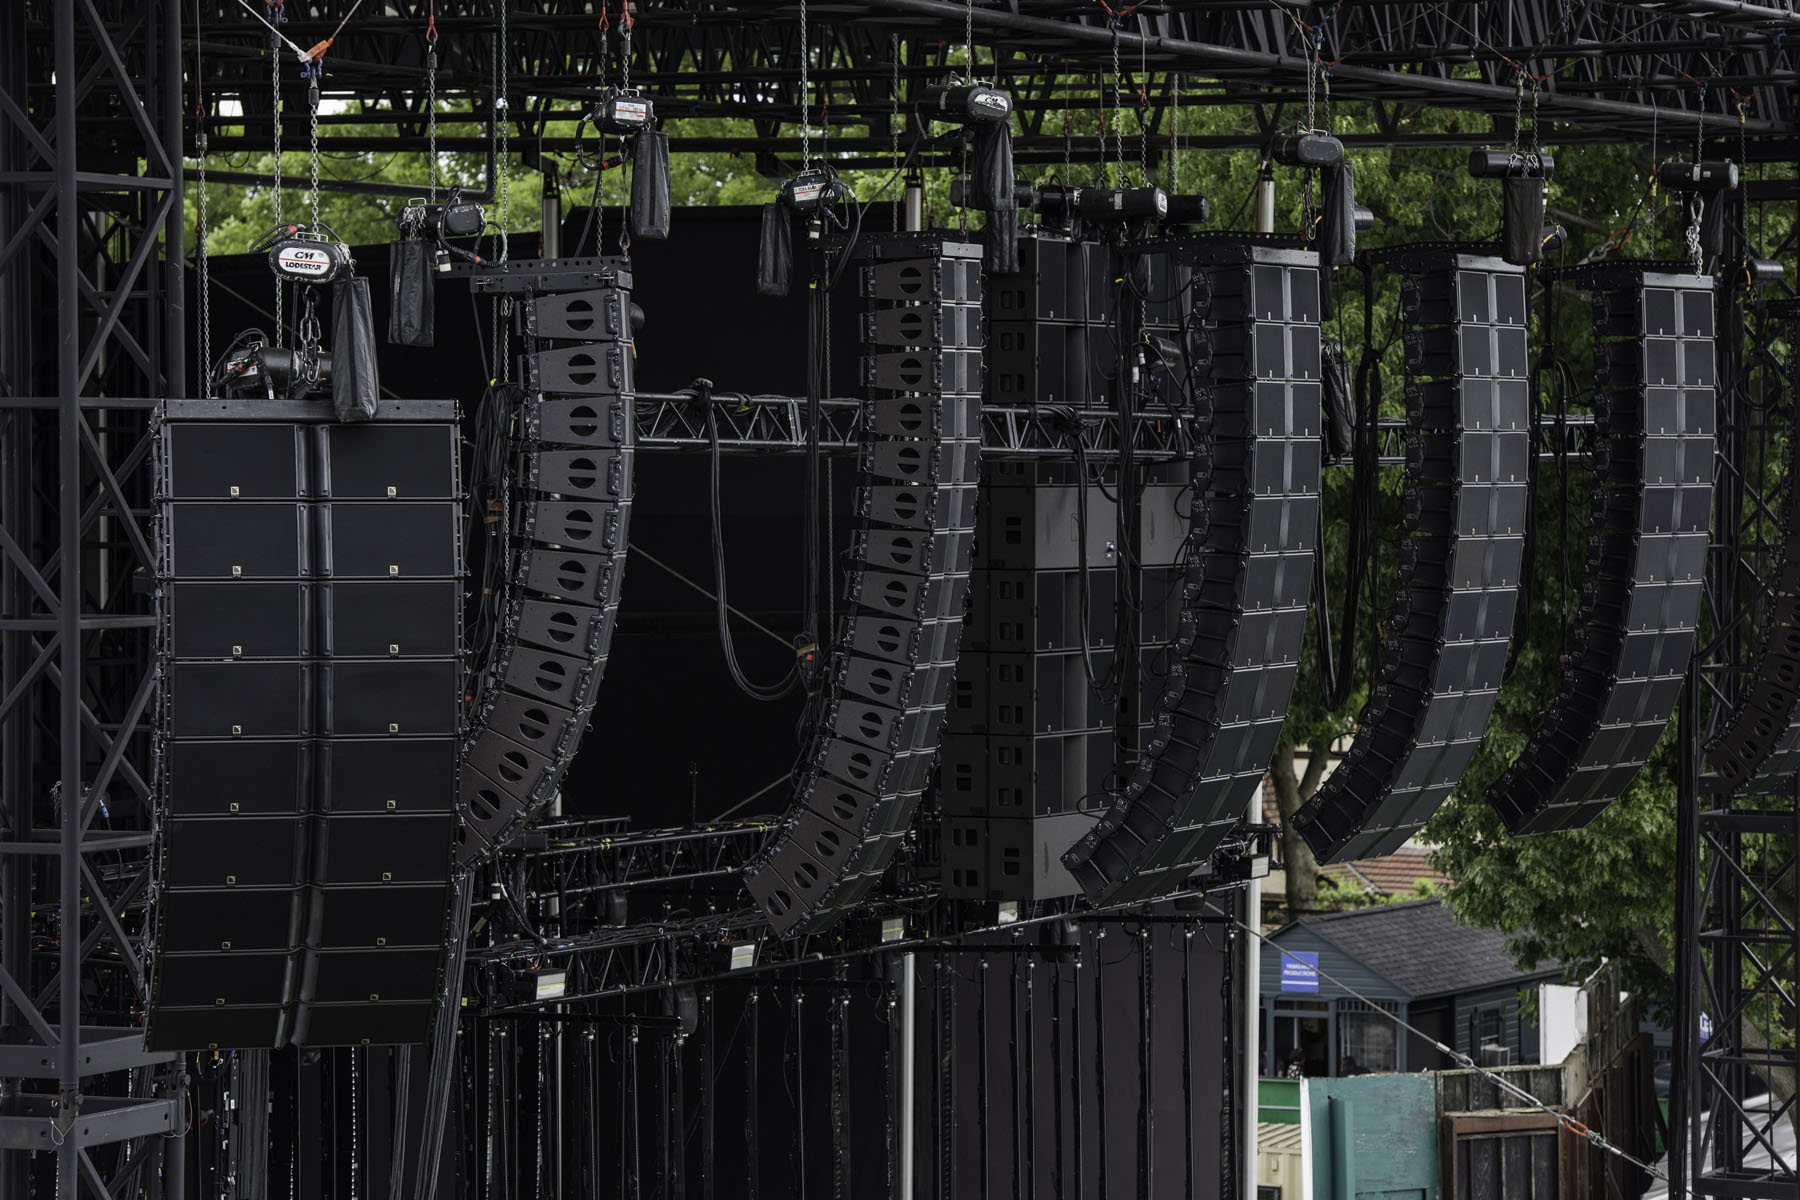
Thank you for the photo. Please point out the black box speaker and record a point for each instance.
(233, 461)
(240, 619)
(236, 541)
(392, 618)
(378, 461)
(223, 778)
(241, 851)
(392, 541)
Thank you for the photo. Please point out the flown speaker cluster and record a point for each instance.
(310, 651)
(1468, 442)
(1254, 362)
(571, 509)
(894, 654)
(1654, 415)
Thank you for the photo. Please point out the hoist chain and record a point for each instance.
(280, 332)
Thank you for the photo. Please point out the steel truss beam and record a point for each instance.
(763, 424)
(1606, 71)
(562, 931)
(1737, 939)
(91, 313)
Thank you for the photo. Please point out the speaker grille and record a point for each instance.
(893, 654)
(1468, 442)
(1253, 337)
(311, 640)
(1655, 418)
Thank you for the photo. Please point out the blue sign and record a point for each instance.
(1299, 970)
(1706, 1029)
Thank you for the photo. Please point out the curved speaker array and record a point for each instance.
(1468, 441)
(1253, 337)
(1654, 416)
(895, 652)
(1761, 738)
(571, 516)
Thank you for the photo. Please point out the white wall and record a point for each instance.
(1559, 1021)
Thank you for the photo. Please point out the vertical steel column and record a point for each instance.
(174, 308)
(1684, 1094)
(17, 519)
(68, 375)
(909, 1016)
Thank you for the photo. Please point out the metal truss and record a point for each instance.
(1738, 943)
(91, 320)
(1605, 72)
(565, 914)
(765, 424)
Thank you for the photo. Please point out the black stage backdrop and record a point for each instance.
(672, 737)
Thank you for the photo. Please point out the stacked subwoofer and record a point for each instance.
(1252, 331)
(1029, 744)
(893, 655)
(1655, 417)
(311, 642)
(1468, 447)
(570, 522)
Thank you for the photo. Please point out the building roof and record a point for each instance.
(1390, 875)
(1419, 946)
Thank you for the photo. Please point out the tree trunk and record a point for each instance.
(1292, 789)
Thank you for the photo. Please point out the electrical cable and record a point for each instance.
(760, 692)
(1107, 688)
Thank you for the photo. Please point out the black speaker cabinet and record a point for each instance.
(308, 736)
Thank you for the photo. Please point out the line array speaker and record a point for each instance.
(571, 520)
(893, 655)
(309, 606)
(1468, 442)
(1655, 417)
(1760, 740)
(1253, 338)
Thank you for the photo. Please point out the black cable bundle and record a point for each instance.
(1001, 241)
(1339, 432)
(355, 380)
(775, 253)
(412, 293)
(755, 691)
(1337, 223)
(991, 188)
(1337, 663)
(650, 185)
(1522, 224)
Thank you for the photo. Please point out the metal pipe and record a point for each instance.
(1208, 55)
(908, 1078)
(915, 205)
(1252, 1018)
(174, 313)
(1733, 8)
(16, 517)
(68, 373)
(550, 215)
(1265, 209)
